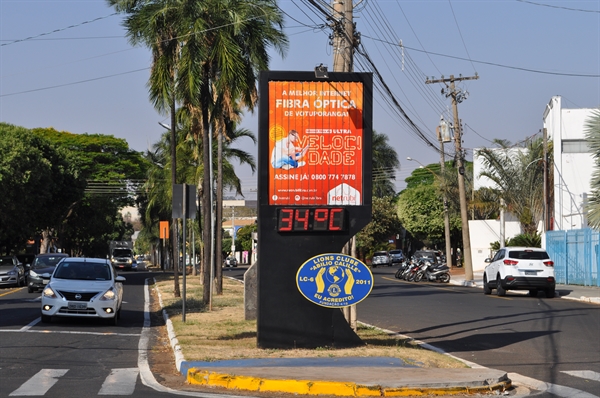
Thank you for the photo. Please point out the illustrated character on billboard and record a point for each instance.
(286, 155)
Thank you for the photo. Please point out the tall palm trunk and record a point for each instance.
(219, 215)
(175, 256)
(206, 186)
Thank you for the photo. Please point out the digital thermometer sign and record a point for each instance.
(311, 219)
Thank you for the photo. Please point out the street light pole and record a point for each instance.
(446, 217)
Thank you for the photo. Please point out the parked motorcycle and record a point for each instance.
(437, 273)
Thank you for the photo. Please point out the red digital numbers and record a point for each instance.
(308, 219)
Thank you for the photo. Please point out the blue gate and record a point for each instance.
(576, 256)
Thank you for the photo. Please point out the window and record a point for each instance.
(575, 146)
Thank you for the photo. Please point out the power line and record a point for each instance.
(551, 6)
(490, 63)
(58, 30)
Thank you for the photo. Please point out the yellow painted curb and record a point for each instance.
(307, 387)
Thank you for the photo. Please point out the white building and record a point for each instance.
(573, 166)
(573, 163)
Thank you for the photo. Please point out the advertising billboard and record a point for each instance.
(316, 143)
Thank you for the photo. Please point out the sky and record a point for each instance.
(68, 65)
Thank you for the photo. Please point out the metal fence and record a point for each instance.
(576, 256)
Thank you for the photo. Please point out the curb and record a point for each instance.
(326, 387)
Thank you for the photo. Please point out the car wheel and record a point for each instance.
(114, 321)
(30, 289)
(550, 293)
(486, 286)
(119, 313)
(533, 292)
(500, 291)
(46, 318)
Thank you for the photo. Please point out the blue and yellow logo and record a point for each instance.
(334, 280)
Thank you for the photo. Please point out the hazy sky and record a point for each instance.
(67, 64)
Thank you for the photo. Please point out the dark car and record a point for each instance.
(381, 258)
(12, 272)
(397, 256)
(427, 255)
(42, 264)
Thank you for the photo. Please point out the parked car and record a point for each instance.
(12, 272)
(42, 264)
(83, 287)
(427, 255)
(520, 268)
(396, 256)
(381, 258)
(231, 262)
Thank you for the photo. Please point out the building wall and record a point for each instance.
(572, 170)
(485, 232)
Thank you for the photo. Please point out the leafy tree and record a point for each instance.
(385, 161)
(518, 174)
(384, 225)
(112, 171)
(244, 237)
(39, 184)
(592, 134)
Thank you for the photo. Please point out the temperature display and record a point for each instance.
(311, 219)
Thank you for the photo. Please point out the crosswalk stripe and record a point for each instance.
(120, 382)
(584, 374)
(40, 383)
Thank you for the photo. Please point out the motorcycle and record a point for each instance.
(437, 273)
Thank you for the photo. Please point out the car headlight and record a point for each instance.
(109, 295)
(129, 260)
(48, 292)
(33, 273)
(12, 272)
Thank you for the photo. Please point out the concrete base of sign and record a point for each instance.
(250, 289)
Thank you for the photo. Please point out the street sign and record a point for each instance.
(314, 194)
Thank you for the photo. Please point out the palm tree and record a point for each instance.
(518, 174)
(592, 133)
(385, 162)
(226, 48)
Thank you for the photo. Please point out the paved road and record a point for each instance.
(553, 340)
(71, 358)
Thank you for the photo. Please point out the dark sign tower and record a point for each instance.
(314, 186)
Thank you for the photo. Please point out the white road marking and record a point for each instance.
(70, 332)
(120, 382)
(40, 383)
(584, 374)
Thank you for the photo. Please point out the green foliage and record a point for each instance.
(384, 225)
(592, 134)
(385, 162)
(421, 211)
(39, 185)
(526, 240)
(243, 236)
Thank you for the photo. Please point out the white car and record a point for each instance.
(520, 268)
(83, 287)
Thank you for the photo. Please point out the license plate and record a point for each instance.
(530, 272)
(77, 306)
(45, 281)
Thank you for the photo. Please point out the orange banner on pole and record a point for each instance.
(164, 230)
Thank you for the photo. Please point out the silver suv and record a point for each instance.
(381, 258)
(520, 268)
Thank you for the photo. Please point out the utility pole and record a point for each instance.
(343, 36)
(445, 198)
(457, 97)
(343, 61)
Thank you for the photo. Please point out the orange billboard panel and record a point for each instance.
(315, 143)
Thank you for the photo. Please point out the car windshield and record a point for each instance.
(121, 252)
(380, 254)
(46, 261)
(82, 271)
(528, 255)
(395, 252)
(6, 261)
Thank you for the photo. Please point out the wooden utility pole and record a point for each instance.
(343, 61)
(343, 36)
(445, 198)
(458, 97)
